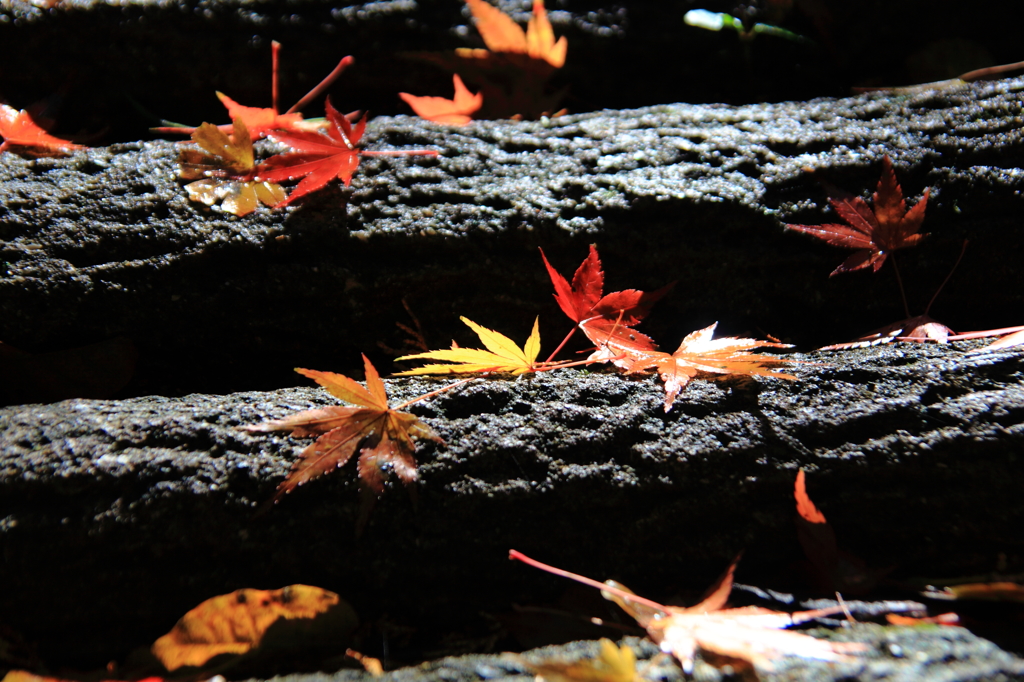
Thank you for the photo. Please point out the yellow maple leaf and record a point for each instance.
(502, 355)
(613, 664)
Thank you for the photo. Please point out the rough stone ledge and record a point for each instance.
(106, 242)
(116, 517)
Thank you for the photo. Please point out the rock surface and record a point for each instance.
(108, 244)
(119, 515)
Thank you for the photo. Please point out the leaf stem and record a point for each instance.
(899, 281)
(561, 345)
(985, 333)
(628, 596)
(275, 49)
(433, 393)
(950, 274)
(324, 84)
(411, 152)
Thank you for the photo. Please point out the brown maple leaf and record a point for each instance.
(873, 232)
(751, 634)
(223, 171)
(382, 434)
(698, 353)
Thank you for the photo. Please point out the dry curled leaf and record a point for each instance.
(237, 623)
(223, 171)
(874, 232)
(750, 634)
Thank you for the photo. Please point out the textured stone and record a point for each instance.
(119, 516)
(107, 243)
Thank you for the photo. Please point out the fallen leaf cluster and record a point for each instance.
(322, 152)
(607, 322)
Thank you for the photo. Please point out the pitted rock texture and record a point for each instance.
(116, 517)
(107, 243)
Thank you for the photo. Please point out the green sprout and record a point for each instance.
(716, 21)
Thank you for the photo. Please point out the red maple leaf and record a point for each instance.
(19, 131)
(602, 318)
(321, 157)
(874, 232)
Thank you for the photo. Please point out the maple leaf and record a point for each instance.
(226, 167)
(322, 157)
(261, 120)
(513, 71)
(19, 131)
(837, 571)
(502, 354)
(383, 435)
(503, 35)
(698, 352)
(875, 233)
(613, 664)
(750, 634)
(455, 111)
(604, 319)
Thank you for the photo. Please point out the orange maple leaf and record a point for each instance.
(835, 570)
(19, 131)
(503, 35)
(699, 352)
(513, 71)
(456, 111)
(875, 233)
(322, 157)
(750, 634)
